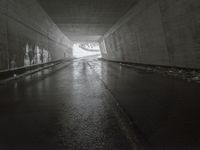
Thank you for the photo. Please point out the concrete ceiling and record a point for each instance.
(83, 20)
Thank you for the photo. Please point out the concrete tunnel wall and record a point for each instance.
(28, 36)
(156, 32)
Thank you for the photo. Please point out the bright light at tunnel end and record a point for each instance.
(84, 49)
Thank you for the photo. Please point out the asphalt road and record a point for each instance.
(70, 107)
(62, 108)
(164, 110)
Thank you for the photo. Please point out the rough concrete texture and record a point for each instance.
(28, 35)
(157, 32)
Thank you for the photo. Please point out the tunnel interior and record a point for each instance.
(85, 21)
(137, 31)
(99, 74)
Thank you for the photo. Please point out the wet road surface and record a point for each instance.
(68, 107)
(57, 109)
(165, 110)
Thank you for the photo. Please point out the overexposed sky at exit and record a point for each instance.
(79, 52)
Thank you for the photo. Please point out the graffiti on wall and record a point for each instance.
(33, 54)
(36, 55)
(3, 57)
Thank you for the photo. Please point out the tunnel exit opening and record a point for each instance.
(85, 49)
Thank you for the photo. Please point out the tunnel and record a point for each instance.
(99, 74)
